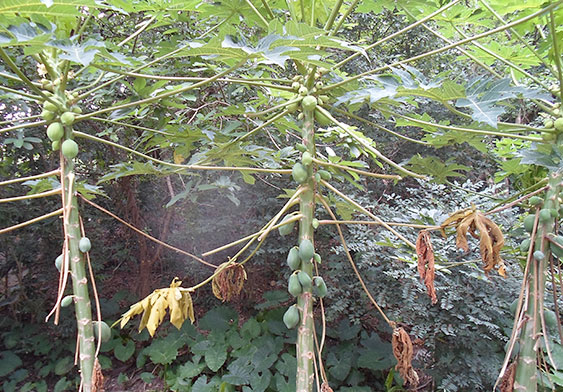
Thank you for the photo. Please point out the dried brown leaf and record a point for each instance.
(325, 387)
(507, 380)
(228, 282)
(97, 377)
(425, 266)
(403, 351)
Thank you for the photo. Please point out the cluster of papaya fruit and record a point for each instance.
(550, 211)
(553, 125)
(57, 113)
(300, 280)
(309, 98)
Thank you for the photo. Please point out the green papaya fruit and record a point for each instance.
(545, 215)
(67, 118)
(59, 262)
(315, 223)
(557, 248)
(55, 131)
(558, 124)
(84, 244)
(525, 245)
(299, 173)
(287, 228)
(306, 158)
(309, 103)
(535, 201)
(293, 259)
(66, 301)
(322, 119)
(47, 115)
(69, 149)
(539, 255)
(317, 258)
(291, 317)
(529, 223)
(320, 285)
(105, 330)
(306, 250)
(294, 287)
(56, 145)
(550, 318)
(305, 280)
(325, 175)
(300, 147)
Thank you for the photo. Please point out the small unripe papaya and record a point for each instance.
(293, 259)
(50, 106)
(47, 115)
(306, 250)
(550, 318)
(299, 173)
(59, 262)
(545, 215)
(306, 158)
(315, 223)
(84, 244)
(300, 147)
(322, 119)
(287, 228)
(291, 317)
(539, 255)
(305, 280)
(529, 223)
(67, 118)
(320, 285)
(558, 124)
(557, 248)
(309, 103)
(105, 330)
(525, 245)
(56, 145)
(69, 149)
(66, 301)
(535, 201)
(317, 258)
(325, 175)
(55, 131)
(293, 286)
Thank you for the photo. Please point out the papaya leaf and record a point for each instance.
(439, 170)
(484, 95)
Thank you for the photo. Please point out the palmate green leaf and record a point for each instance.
(234, 12)
(57, 9)
(441, 139)
(134, 168)
(81, 53)
(26, 34)
(433, 166)
(484, 94)
(549, 156)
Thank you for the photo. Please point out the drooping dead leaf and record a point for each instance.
(425, 255)
(97, 378)
(507, 380)
(228, 282)
(455, 218)
(403, 351)
(153, 307)
(491, 239)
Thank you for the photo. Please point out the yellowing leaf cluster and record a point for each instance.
(153, 307)
(491, 239)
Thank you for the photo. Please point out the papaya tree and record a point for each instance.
(304, 116)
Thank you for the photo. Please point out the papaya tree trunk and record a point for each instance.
(77, 267)
(526, 378)
(305, 337)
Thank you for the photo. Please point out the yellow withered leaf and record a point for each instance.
(491, 239)
(154, 306)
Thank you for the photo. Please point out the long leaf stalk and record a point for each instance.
(165, 94)
(250, 82)
(372, 124)
(444, 48)
(502, 59)
(526, 367)
(366, 212)
(15, 120)
(468, 130)
(351, 169)
(31, 221)
(23, 126)
(35, 177)
(177, 165)
(305, 337)
(515, 33)
(367, 146)
(32, 196)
